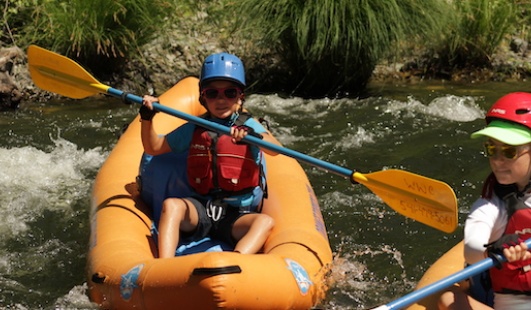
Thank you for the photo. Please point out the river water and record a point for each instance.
(50, 154)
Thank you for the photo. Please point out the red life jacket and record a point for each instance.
(515, 277)
(217, 166)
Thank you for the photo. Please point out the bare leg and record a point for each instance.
(177, 214)
(457, 299)
(252, 231)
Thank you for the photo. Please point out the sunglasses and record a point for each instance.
(508, 151)
(227, 93)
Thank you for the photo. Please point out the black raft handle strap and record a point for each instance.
(216, 271)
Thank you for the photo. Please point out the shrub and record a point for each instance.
(15, 15)
(332, 46)
(476, 31)
(99, 33)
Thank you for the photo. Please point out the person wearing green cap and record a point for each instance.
(500, 220)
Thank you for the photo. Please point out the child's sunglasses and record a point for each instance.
(228, 92)
(508, 151)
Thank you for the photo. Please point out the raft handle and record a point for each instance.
(99, 278)
(216, 271)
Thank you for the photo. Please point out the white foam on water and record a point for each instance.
(34, 183)
(352, 136)
(356, 139)
(33, 180)
(274, 103)
(450, 107)
(295, 105)
(77, 298)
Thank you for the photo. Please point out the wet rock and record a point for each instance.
(518, 46)
(10, 94)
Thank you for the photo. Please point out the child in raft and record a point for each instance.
(500, 220)
(229, 181)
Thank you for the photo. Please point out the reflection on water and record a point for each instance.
(50, 154)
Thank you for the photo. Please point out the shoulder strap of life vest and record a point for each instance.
(242, 118)
(512, 197)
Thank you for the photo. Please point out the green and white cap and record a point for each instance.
(505, 132)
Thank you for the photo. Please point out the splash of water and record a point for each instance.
(34, 180)
(450, 107)
(43, 206)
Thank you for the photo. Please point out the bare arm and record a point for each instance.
(152, 142)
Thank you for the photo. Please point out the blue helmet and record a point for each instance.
(222, 66)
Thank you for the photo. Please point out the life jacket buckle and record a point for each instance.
(215, 210)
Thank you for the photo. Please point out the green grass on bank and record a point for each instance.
(332, 46)
(475, 31)
(99, 33)
(308, 48)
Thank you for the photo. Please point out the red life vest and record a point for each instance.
(515, 277)
(217, 166)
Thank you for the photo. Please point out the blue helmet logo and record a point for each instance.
(222, 66)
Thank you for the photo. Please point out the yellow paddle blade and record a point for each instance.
(428, 201)
(61, 75)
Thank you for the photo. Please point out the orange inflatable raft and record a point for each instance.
(124, 272)
(451, 262)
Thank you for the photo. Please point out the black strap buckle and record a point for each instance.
(216, 209)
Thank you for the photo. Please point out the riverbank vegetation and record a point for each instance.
(333, 46)
(99, 33)
(312, 48)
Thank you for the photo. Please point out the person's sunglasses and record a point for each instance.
(508, 151)
(228, 92)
